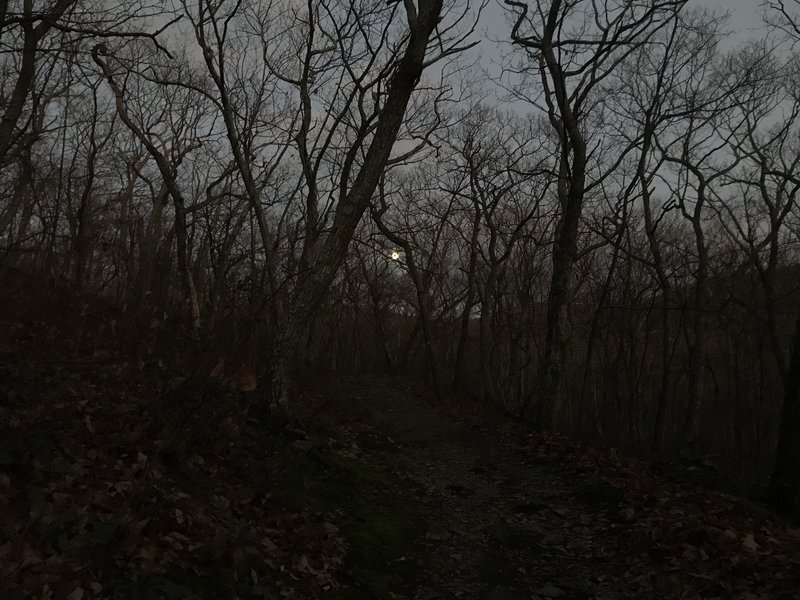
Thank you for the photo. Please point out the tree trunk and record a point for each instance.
(571, 190)
(697, 354)
(426, 319)
(18, 198)
(489, 391)
(83, 236)
(169, 178)
(314, 282)
(542, 410)
(664, 392)
(469, 301)
(784, 485)
(26, 74)
(149, 247)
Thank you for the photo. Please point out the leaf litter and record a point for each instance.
(112, 487)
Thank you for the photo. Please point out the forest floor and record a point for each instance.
(122, 479)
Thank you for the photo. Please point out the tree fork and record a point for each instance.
(324, 262)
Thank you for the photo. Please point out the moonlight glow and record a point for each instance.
(395, 255)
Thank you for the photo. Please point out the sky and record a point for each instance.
(744, 23)
(744, 15)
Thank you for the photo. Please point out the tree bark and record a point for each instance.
(542, 410)
(571, 189)
(784, 485)
(469, 302)
(169, 178)
(697, 353)
(328, 255)
(31, 36)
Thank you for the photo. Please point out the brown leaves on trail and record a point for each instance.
(749, 543)
(686, 542)
(248, 381)
(243, 380)
(96, 501)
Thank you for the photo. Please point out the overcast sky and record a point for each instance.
(744, 23)
(744, 15)
(740, 9)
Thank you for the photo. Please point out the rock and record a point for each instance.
(550, 591)
(500, 592)
(698, 538)
(553, 539)
(303, 445)
(438, 533)
(500, 532)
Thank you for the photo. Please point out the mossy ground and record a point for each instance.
(375, 510)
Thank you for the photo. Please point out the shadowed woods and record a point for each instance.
(365, 299)
(597, 231)
(122, 479)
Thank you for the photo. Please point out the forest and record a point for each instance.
(576, 216)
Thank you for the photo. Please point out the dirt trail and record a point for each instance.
(502, 524)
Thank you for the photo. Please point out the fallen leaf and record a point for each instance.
(29, 557)
(219, 369)
(77, 594)
(550, 591)
(749, 543)
(248, 381)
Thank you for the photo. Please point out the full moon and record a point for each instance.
(395, 255)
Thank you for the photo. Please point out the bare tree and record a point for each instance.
(183, 123)
(573, 47)
(391, 89)
(504, 179)
(649, 84)
(26, 24)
